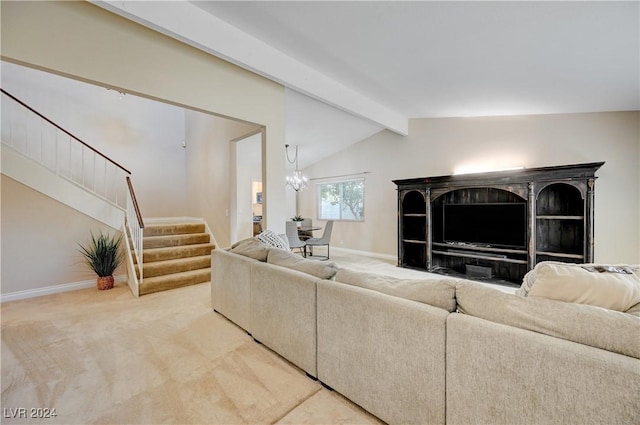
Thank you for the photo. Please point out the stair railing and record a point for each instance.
(136, 229)
(32, 135)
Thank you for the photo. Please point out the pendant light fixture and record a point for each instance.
(296, 181)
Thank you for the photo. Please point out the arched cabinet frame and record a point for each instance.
(413, 237)
(561, 236)
(520, 190)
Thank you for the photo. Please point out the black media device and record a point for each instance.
(501, 225)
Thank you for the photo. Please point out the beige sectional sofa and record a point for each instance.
(437, 350)
(517, 360)
(385, 353)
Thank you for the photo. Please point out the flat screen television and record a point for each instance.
(502, 225)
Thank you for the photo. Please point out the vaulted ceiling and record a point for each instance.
(375, 64)
(450, 59)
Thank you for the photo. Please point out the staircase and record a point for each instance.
(175, 255)
(44, 156)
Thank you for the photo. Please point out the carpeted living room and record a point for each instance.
(90, 356)
(403, 212)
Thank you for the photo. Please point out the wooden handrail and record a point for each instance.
(135, 203)
(65, 131)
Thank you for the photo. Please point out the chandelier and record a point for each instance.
(297, 181)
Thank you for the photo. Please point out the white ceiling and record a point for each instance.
(449, 59)
(387, 61)
(321, 130)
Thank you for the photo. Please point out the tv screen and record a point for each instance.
(490, 224)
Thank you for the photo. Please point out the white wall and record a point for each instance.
(85, 42)
(211, 175)
(248, 170)
(142, 135)
(149, 143)
(441, 146)
(40, 239)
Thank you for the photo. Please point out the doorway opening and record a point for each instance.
(249, 195)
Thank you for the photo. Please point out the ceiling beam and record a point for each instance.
(188, 23)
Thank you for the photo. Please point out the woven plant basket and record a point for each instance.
(105, 283)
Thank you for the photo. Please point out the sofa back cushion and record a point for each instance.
(635, 310)
(436, 292)
(613, 287)
(252, 248)
(319, 269)
(595, 326)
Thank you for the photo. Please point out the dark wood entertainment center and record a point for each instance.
(533, 215)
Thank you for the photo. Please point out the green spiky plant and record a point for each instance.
(103, 255)
(297, 218)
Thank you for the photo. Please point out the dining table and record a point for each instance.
(302, 229)
(306, 232)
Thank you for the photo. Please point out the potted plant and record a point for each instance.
(103, 256)
(298, 219)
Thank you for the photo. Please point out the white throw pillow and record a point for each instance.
(616, 287)
(270, 238)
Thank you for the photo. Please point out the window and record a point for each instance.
(341, 200)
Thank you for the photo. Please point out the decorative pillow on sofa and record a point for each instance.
(319, 269)
(270, 238)
(613, 287)
(251, 248)
(435, 292)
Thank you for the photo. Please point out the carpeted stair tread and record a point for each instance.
(173, 229)
(175, 240)
(173, 252)
(172, 281)
(177, 265)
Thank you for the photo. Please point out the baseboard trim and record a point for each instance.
(54, 289)
(365, 253)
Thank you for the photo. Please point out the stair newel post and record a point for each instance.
(135, 228)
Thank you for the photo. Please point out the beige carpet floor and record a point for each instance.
(165, 358)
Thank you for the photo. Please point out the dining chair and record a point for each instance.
(325, 239)
(304, 235)
(294, 240)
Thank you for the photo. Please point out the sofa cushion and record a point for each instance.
(613, 287)
(269, 237)
(594, 326)
(252, 248)
(436, 292)
(319, 269)
(635, 310)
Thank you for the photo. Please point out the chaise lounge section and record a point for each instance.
(438, 350)
(539, 361)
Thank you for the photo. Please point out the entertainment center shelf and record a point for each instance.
(481, 248)
(499, 224)
(480, 257)
(560, 217)
(562, 255)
